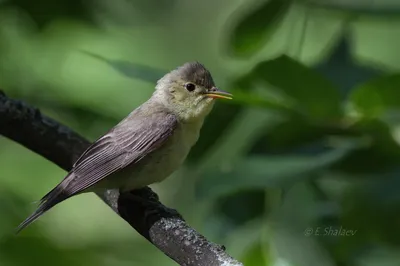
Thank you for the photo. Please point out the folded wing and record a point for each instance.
(125, 144)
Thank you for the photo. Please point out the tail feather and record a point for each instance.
(52, 198)
(51, 194)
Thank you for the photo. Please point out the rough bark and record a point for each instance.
(162, 226)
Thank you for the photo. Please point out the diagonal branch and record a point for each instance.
(162, 226)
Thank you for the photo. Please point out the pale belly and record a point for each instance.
(161, 163)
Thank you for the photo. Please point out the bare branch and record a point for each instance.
(162, 226)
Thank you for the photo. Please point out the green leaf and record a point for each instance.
(227, 207)
(241, 239)
(269, 171)
(254, 100)
(383, 154)
(255, 256)
(313, 94)
(388, 10)
(253, 31)
(375, 201)
(247, 91)
(248, 126)
(132, 70)
(376, 98)
(289, 224)
(222, 116)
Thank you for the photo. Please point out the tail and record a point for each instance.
(51, 199)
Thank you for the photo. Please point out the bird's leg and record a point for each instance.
(144, 208)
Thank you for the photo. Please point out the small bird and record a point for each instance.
(148, 145)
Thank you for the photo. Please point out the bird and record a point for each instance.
(148, 145)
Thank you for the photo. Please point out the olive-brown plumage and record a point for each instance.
(148, 145)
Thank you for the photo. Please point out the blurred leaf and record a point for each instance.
(314, 95)
(254, 100)
(248, 126)
(45, 11)
(225, 209)
(287, 226)
(11, 205)
(224, 219)
(238, 241)
(229, 205)
(219, 120)
(232, 112)
(135, 13)
(295, 135)
(269, 171)
(383, 9)
(40, 250)
(255, 256)
(379, 255)
(132, 70)
(372, 201)
(376, 106)
(82, 119)
(36, 249)
(341, 68)
(381, 155)
(253, 31)
(376, 97)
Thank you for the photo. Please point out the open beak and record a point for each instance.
(218, 94)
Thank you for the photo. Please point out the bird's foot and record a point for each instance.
(144, 205)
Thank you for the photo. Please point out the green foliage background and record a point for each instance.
(311, 140)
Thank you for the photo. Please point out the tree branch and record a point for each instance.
(162, 226)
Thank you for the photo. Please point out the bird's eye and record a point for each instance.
(190, 86)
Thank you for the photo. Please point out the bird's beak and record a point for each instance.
(218, 94)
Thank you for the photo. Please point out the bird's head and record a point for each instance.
(189, 91)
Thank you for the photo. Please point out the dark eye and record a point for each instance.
(190, 86)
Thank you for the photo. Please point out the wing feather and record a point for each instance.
(134, 138)
(127, 143)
